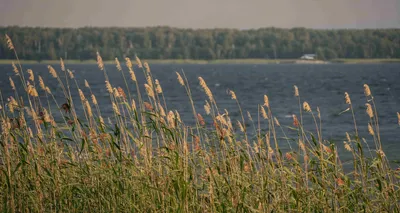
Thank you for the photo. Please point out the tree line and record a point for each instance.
(207, 44)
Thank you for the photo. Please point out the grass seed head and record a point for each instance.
(81, 95)
(133, 104)
(100, 63)
(266, 101)
(306, 107)
(206, 89)
(115, 108)
(158, 87)
(207, 108)
(201, 119)
(276, 121)
(295, 121)
(52, 71)
(171, 119)
(149, 90)
(369, 110)
(15, 69)
(296, 91)
(118, 65)
(370, 129)
(41, 83)
(139, 62)
(108, 87)
(12, 83)
(233, 95)
(71, 74)
(94, 100)
(263, 112)
(398, 117)
(146, 66)
(31, 75)
(367, 91)
(9, 42)
(180, 79)
(62, 65)
(161, 109)
(347, 146)
(133, 76)
(347, 98)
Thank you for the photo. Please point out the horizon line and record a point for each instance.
(188, 28)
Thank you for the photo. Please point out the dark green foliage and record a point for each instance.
(173, 43)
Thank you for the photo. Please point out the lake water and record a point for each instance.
(319, 85)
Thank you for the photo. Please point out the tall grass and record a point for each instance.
(145, 159)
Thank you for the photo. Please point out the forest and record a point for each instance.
(34, 43)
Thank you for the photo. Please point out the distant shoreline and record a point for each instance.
(224, 61)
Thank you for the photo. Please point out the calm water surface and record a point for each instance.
(321, 86)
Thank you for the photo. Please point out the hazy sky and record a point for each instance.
(242, 14)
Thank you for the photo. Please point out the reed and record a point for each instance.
(144, 158)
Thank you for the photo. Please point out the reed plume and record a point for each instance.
(171, 119)
(306, 107)
(180, 79)
(100, 63)
(31, 76)
(15, 69)
(88, 108)
(115, 109)
(240, 126)
(94, 100)
(207, 108)
(295, 121)
(12, 83)
(266, 101)
(81, 95)
(263, 112)
(369, 110)
(41, 83)
(31, 90)
(347, 98)
(133, 104)
(233, 95)
(71, 74)
(276, 121)
(118, 65)
(296, 91)
(398, 117)
(62, 65)
(52, 71)
(158, 87)
(121, 92)
(370, 129)
(132, 74)
(206, 89)
(149, 90)
(9, 42)
(139, 62)
(109, 87)
(161, 109)
(146, 67)
(347, 146)
(367, 91)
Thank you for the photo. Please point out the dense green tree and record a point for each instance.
(208, 44)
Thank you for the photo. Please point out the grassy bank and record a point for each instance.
(145, 159)
(219, 61)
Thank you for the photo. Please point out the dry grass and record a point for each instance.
(145, 159)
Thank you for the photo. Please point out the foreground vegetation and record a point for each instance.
(145, 159)
(204, 44)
